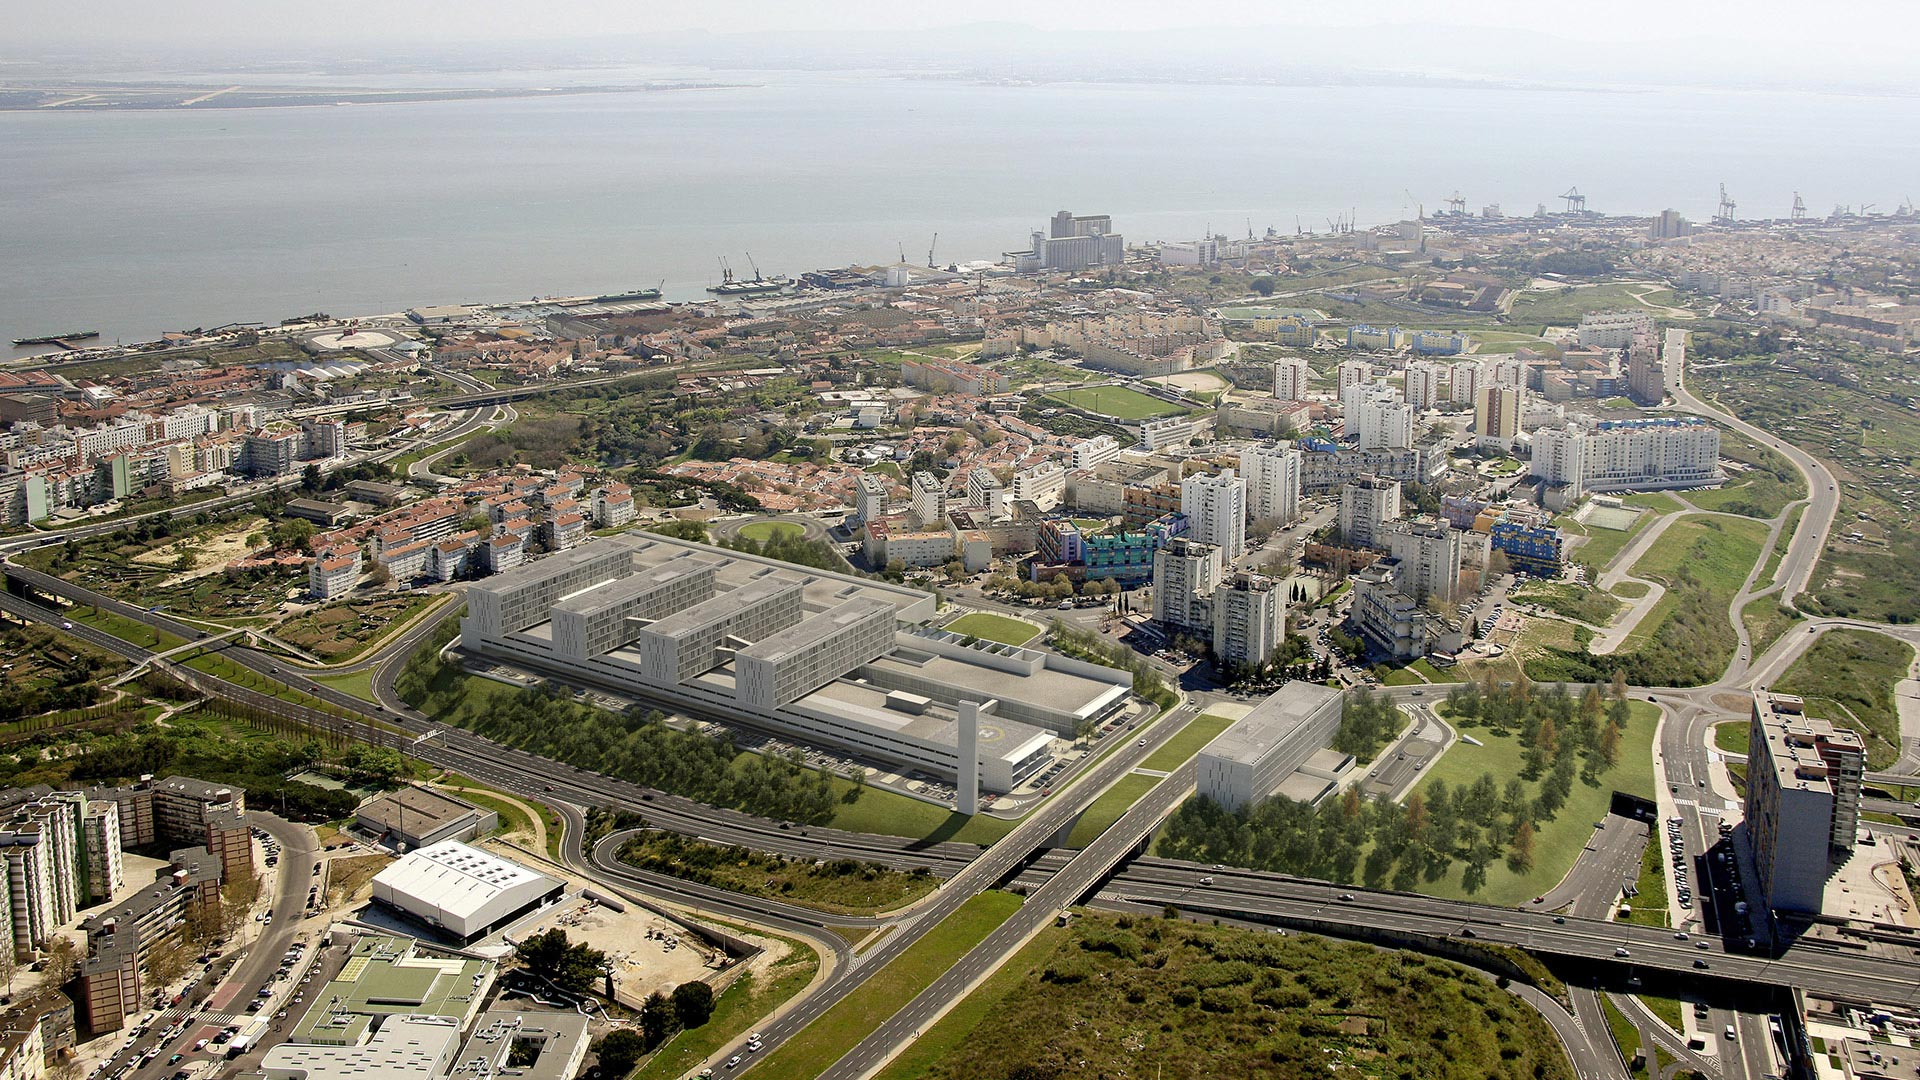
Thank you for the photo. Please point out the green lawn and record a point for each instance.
(125, 629)
(762, 531)
(1601, 545)
(1119, 402)
(1650, 907)
(1403, 677)
(1625, 1035)
(1717, 554)
(1733, 736)
(357, 683)
(889, 814)
(1565, 306)
(1587, 605)
(1108, 808)
(1434, 674)
(1191, 740)
(1001, 628)
(1669, 1010)
(950, 1031)
(840, 1028)
(1848, 677)
(1558, 842)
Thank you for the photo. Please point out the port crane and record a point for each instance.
(726, 272)
(1906, 208)
(1799, 212)
(930, 246)
(1724, 215)
(1456, 204)
(1576, 202)
(1419, 208)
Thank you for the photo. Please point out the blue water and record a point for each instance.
(138, 222)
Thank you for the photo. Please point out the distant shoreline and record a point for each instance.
(120, 97)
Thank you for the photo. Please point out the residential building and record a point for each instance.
(1643, 454)
(1167, 432)
(1463, 382)
(122, 941)
(870, 498)
(106, 872)
(929, 499)
(1216, 511)
(1185, 573)
(1390, 621)
(1249, 619)
(1353, 373)
(1496, 416)
(1802, 809)
(1365, 506)
(182, 805)
(1377, 418)
(1272, 473)
(1088, 453)
(1429, 553)
(1290, 375)
(333, 574)
(1613, 329)
(1044, 485)
(1423, 385)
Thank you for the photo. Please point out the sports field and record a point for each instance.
(1117, 402)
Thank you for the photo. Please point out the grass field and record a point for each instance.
(1765, 621)
(1650, 907)
(840, 1028)
(1715, 555)
(1108, 808)
(1625, 1035)
(1733, 736)
(1848, 677)
(1118, 402)
(1196, 735)
(1586, 605)
(1558, 842)
(762, 531)
(1601, 545)
(357, 683)
(950, 1031)
(1001, 628)
(1564, 307)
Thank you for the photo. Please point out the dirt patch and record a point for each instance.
(1733, 703)
(350, 878)
(211, 553)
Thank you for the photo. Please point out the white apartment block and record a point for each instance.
(929, 499)
(1166, 432)
(1354, 373)
(1184, 575)
(1216, 510)
(333, 574)
(1273, 482)
(1613, 329)
(1429, 552)
(870, 500)
(1045, 485)
(1377, 417)
(1290, 376)
(1423, 384)
(1628, 455)
(106, 870)
(1090, 452)
(1365, 506)
(1464, 379)
(1249, 619)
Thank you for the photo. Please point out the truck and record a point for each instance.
(248, 1036)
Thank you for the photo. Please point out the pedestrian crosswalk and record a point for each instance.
(197, 1016)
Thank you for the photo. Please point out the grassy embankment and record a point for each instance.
(1848, 677)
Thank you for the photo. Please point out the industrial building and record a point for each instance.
(824, 658)
(1250, 760)
(1802, 809)
(461, 891)
(415, 817)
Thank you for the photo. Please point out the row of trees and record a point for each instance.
(637, 745)
(1367, 721)
(1090, 646)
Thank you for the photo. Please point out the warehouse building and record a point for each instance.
(462, 891)
(414, 817)
(1252, 759)
(823, 658)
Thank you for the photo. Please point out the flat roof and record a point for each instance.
(561, 1037)
(386, 976)
(606, 594)
(1048, 688)
(416, 810)
(455, 878)
(707, 612)
(808, 631)
(408, 1047)
(1272, 721)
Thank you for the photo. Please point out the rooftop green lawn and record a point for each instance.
(1557, 843)
(1109, 807)
(839, 1029)
(1190, 740)
(1848, 677)
(763, 531)
(1119, 402)
(991, 627)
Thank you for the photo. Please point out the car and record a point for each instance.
(1206, 881)
(1703, 944)
(1560, 919)
(733, 1062)
(1467, 931)
(1681, 936)
(1729, 1033)
(1417, 692)
(1539, 899)
(1621, 952)
(176, 1059)
(1142, 742)
(1346, 898)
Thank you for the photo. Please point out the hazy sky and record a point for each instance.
(1862, 22)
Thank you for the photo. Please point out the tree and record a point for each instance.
(1262, 285)
(1610, 744)
(237, 897)
(1520, 855)
(658, 1021)
(567, 965)
(693, 1003)
(619, 1052)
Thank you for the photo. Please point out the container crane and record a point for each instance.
(1576, 202)
(1799, 212)
(1456, 204)
(930, 246)
(1724, 215)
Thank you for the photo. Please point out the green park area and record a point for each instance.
(763, 531)
(1117, 995)
(1110, 807)
(1686, 639)
(1564, 307)
(1733, 736)
(1760, 483)
(1602, 544)
(839, 1029)
(1573, 601)
(1650, 906)
(1848, 677)
(1119, 402)
(1001, 628)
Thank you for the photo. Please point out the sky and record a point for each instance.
(1839, 36)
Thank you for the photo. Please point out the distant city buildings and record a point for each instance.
(1073, 243)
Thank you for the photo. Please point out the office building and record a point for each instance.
(846, 666)
(1216, 510)
(1251, 759)
(1249, 619)
(1185, 573)
(416, 1045)
(1272, 475)
(1423, 385)
(1496, 416)
(1365, 505)
(1290, 375)
(1802, 811)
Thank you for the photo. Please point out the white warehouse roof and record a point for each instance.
(460, 888)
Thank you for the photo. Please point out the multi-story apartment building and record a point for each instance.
(1272, 473)
(1216, 510)
(1249, 619)
(1804, 779)
(1290, 375)
(1185, 573)
(1365, 506)
(1423, 385)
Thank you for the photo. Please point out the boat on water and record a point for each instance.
(756, 285)
(631, 294)
(55, 339)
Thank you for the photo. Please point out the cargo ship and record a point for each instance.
(754, 286)
(56, 339)
(632, 294)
